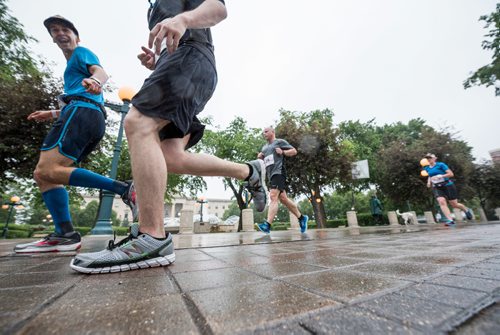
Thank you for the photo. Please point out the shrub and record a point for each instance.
(336, 223)
(367, 219)
(83, 230)
(18, 233)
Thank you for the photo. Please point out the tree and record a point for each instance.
(485, 180)
(28, 86)
(490, 73)
(402, 148)
(322, 160)
(237, 143)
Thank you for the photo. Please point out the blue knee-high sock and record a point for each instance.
(86, 178)
(57, 202)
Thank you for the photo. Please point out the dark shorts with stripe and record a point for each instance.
(177, 90)
(448, 191)
(278, 182)
(76, 132)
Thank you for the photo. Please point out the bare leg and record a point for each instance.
(456, 204)
(273, 205)
(180, 161)
(292, 206)
(53, 170)
(444, 207)
(149, 169)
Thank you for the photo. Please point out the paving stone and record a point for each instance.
(447, 295)
(210, 264)
(485, 285)
(486, 265)
(39, 278)
(411, 311)
(333, 262)
(246, 306)
(412, 271)
(243, 260)
(353, 320)
(25, 299)
(344, 285)
(485, 322)
(309, 256)
(191, 257)
(435, 259)
(484, 250)
(112, 289)
(283, 329)
(198, 280)
(60, 264)
(274, 270)
(478, 273)
(371, 255)
(153, 315)
(270, 251)
(495, 260)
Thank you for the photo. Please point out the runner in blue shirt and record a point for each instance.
(79, 126)
(443, 188)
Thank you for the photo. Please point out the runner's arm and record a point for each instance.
(98, 77)
(206, 15)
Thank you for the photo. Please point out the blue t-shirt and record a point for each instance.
(439, 168)
(77, 69)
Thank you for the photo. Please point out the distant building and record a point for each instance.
(215, 207)
(495, 155)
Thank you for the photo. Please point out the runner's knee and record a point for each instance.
(442, 201)
(44, 173)
(136, 124)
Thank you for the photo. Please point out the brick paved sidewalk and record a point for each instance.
(425, 279)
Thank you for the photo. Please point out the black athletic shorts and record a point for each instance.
(177, 90)
(77, 132)
(278, 182)
(447, 191)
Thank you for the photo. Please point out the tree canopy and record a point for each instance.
(489, 74)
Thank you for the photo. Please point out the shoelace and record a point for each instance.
(112, 245)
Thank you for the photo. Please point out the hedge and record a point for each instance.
(18, 233)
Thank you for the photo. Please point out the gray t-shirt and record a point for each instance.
(273, 161)
(202, 38)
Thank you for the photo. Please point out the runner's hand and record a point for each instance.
(91, 86)
(171, 29)
(260, 155)
(39, 116)
(279, 151)
(147, 58)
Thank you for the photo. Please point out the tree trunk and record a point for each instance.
(238, 194)
(318, 208)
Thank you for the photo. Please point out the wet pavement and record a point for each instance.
(425, 279)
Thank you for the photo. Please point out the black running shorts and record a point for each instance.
(177, 90)
(448, 191)
(278, 182)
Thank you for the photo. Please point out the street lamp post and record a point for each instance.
(14, 202)
(103, 224)
(201, 201)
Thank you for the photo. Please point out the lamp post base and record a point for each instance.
(102, 227)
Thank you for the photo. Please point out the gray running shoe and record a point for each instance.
(137, 251)
(256, 185)
(52, 242)
(129, 198)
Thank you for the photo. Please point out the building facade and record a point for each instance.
(215, 207)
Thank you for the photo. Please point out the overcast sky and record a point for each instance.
(391, 60)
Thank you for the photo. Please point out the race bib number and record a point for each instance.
(269, 160)
(437, 180)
